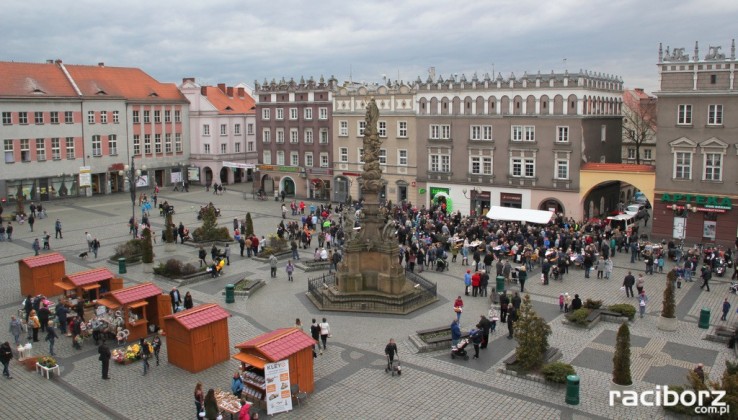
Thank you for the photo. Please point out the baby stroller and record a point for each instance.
(734, 287)
(555, 273)
(393, 366)
(441, 264)
(459, 350)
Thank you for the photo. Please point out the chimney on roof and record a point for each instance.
(58, 61)
(241, 92)
(101, 64)
(230, 92)
(188, 79)
(51, 61)
(222, 87)
(639, 90)
(204, 90)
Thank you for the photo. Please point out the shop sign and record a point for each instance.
(85, 176)
(321, 171)
(351, 174)
(435, 190)
(483, 195)
(515, 198)
(116, 167)
(280, 168)
(238, 165)
(707, 201)
(193, 173)
(278, 394)
(421, 191)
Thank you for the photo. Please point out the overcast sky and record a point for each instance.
(232, 41)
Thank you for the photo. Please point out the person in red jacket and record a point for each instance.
(254, 244)
(476, 281)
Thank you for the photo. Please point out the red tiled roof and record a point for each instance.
(617, 167)
(43, 260)
(279, 344)
(128, 82)
(89, 276)
(33, 79)
(199, 316)
(135, 293)
(228, 105)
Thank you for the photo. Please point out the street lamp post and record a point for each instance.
(132, 174)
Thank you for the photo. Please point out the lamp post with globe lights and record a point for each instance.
(132, 174)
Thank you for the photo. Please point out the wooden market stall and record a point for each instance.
(197, 338)
(291, 344)
(140, 306)
(89, 285)
(39, 274)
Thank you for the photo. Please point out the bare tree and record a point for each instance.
(639, 120)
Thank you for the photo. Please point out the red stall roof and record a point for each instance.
(279, 344)
(43, 260)
(135, 293)
(90, 276)
(199, 316)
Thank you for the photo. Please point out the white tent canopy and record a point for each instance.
(520, 215)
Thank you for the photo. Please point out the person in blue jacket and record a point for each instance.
(455, 332)
(237, 385)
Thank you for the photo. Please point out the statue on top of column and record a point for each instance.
(372, 175)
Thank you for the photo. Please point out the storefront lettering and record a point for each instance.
(708, 201)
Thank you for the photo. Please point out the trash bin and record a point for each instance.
(704, 318)
(572, 389)
(500, 284)
(122, 266)
(230, 293)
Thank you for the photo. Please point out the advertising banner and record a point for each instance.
(278, 394)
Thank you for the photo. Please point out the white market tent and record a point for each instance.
(520, 215)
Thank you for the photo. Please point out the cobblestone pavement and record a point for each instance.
(350, 377)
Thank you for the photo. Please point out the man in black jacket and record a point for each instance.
(485, 326)
(628, 283)
(104, 358)
(315, 333)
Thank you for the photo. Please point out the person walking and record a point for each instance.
(458, 307)
(467, 282)
(88, 237)
(512, 316)
(51, 336)
(726, 309)
(273, 265)
(156, 344)
(34, 324)
(289, 269)
(642, 299)
(104, 359)
(522, 277)
(31, 221)
(485, 326)
(706, 276)
(176, 299)
(58, 229)
(325, 332)
(390, 350)
(628, 283)
(455, 332)
(202, 254)
(9, 232)
(199, 400)
(640, 283)
(36, 246)
(47, 241)
(315, 333)
(608, 267)
(145, 354)
(188, 304)
(95, 247)
(16, 328)
(227, 254)
(6, 355)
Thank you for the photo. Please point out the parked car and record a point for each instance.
(633, 209)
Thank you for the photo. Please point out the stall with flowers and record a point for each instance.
(142, 308)
(129, 354)
(39, 274)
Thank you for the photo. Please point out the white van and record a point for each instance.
(625, 222)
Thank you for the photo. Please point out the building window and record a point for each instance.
(382, 128)
(361, 155)
(147, 144)
(308, 135)
(157, 143)
(294, 159)
(136, 145)
(40, 150)
(113, 144)
(523, 167)
(70, 147)
(562, 134)
(8, 147)
(308, 114)
(224, 129)
(293, 113)
(382, 156)
(266, 136)
(280, 157)
(23, 118)
(343, 154)
(250, 146)
(96, 146)
(267, 157)
(55, 148)
(562, 169)
(647, 154)
(7, 118)
(103, 117)
(603, 133)
(177, 116)
(309, 159)
(54, 116)
(324, 160)
(294, 135)
(25, 148)
(237, 129)
(168, 143)
(480, 165)
(206, 129)
(266, 113)
(38, 117)
(360, 128)
(280, 113)
(206, 148)
(713, 79)
(323, 136)
(116, 117)
(402, 157)
(178, 142)
(147, 117)
(523, 133)
(682, 165)
(280, 135)
(684, 115)
(223, 148)
(631, 153)
(440, 163)
(90, 117)
(343, 128)
(135, 117)
(480, 132)
(167, 116)
(250, 129)
(440, 132)
(68, 117)
(713, 167)
(237, 147)
(157, 116)
(322, 113)
(715, 115)
(402, 129)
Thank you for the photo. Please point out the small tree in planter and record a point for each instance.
(169, 232)
(147, 249)
(621, 358)
(209, 231)
(248, 229)
(667, 321)
(532, 333)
